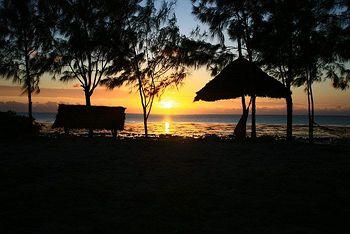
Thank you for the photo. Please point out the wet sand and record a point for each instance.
(223, 130)
(174, 185)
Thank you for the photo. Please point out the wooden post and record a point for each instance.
(114, 133)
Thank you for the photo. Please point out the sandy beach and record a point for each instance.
(174, 185)
(200, 130)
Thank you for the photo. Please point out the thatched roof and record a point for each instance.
(94, 117)
(239, 78)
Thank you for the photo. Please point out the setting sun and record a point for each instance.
(167, 104)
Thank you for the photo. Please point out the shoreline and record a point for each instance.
(325, 120)
(201, 130)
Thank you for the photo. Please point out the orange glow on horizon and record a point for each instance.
(173, 102)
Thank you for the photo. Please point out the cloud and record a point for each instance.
(76, 92)
(48, 99)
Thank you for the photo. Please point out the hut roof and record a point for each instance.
(239, 78)
(94, 117)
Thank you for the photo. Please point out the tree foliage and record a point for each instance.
(240, 20)
(157, 56)
(88, 35)
(24, 49)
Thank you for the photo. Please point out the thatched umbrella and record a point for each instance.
(241, 78)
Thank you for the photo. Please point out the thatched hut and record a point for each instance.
(94, 117)
(241, 78)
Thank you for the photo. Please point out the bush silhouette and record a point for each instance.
(13, 126)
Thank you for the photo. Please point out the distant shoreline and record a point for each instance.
(279, 115)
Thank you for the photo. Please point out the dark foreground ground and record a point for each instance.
(78, 185)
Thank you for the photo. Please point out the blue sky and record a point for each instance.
(187, 22)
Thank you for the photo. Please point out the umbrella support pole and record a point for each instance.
(244, 105)
(240, 129)
(253, 133)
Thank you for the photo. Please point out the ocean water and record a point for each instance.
(222, 125)
(217, 119)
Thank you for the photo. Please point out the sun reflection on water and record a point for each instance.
(166, 127)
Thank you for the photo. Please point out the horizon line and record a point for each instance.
(334, 115)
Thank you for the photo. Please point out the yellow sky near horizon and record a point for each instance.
(179, 101)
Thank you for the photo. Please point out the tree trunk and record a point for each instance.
(309, 112)
(253, 97)
(289, 102)
(239, 43)
(29, 89)
(240, 130)
(87, 98)
(145, 126)
(312, 119)
(30, 105)
(88, 104)
(242, 126)
(253, 133)
(244, 105)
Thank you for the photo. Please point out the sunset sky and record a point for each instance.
(175, 101)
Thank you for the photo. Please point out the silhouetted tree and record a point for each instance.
(239, 19)
(335, 53)
(2, 45)
(157, 56)
(297, 41)
(87, 36)
(277, 41)
(84, 36)
(151, 63)
(321, 55)
(24, 51)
